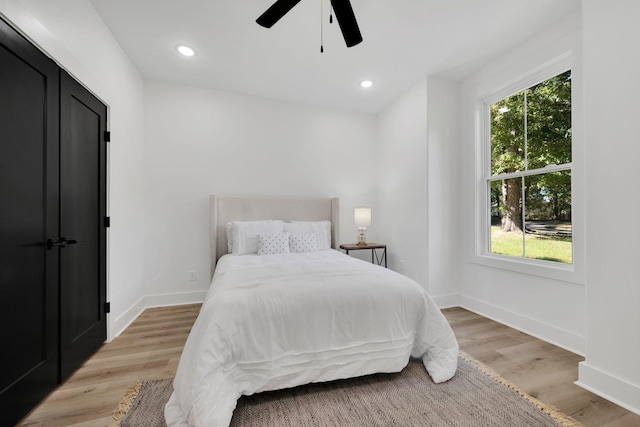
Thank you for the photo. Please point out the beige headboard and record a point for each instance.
(248, 208)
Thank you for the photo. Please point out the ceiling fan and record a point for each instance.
(342, 9)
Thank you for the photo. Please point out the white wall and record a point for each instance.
(612, 85)
(444, 191)
(200, 142)
(402, 177)
(550, 306)
(71, 32)
(417, 186)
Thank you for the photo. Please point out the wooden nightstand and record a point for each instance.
(374, 255)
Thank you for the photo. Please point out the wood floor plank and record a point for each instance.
(150, 348)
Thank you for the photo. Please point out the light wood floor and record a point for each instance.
(151, 346)
(541, 369)
(148, 349)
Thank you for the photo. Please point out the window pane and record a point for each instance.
(507, 135)
(549, 122)
(506, 217)
(548, 217)
(529, 131)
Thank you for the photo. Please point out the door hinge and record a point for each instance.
(107, 136)
(107, 221)
(107, 307)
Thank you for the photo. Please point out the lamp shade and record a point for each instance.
(362, 217)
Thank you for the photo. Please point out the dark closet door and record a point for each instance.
(83, 120)
(28, 216)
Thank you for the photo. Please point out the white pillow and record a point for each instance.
(244, 234)
(322, 230)
(299, 243)
(273, 243)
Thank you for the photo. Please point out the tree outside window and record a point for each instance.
(530, 180)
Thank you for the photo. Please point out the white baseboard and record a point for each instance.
(554, 335)
(618, 391)
(614, 389)
(124, 320)
(163, 300)
(447, 301)
(561, 338)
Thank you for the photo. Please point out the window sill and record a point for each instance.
(550, 270)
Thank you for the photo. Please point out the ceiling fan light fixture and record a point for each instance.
(366, 84)
(185, 50)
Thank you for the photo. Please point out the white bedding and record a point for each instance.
(277, 321)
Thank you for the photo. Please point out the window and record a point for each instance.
(528, 172)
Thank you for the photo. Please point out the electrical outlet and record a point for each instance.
(192, 276)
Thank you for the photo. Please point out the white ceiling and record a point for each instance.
(404, 40)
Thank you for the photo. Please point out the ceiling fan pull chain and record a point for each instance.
(321, 27)
(330, 13)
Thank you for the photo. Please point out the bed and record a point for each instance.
(288, 316)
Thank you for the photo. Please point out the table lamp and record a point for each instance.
(362, 219)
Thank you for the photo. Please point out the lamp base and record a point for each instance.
(361, 236)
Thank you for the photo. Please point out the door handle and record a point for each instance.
(60, 243)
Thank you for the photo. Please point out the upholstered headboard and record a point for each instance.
(248, 208)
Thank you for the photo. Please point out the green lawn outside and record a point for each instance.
(543, 247)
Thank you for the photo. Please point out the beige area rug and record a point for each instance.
(475, 397)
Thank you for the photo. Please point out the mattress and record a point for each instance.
(276, 321)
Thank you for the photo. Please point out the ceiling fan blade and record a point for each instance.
(347, 21)
(275, 12)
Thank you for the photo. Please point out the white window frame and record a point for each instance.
(482, 134)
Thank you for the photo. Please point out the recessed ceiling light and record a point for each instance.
(366, 83)
(186, 50)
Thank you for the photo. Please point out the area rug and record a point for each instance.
(475, 397)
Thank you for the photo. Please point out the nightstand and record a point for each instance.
(375, 259)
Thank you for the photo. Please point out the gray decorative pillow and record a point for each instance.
(300, 243)
(269, 244)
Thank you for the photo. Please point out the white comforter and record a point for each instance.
(277, 321)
